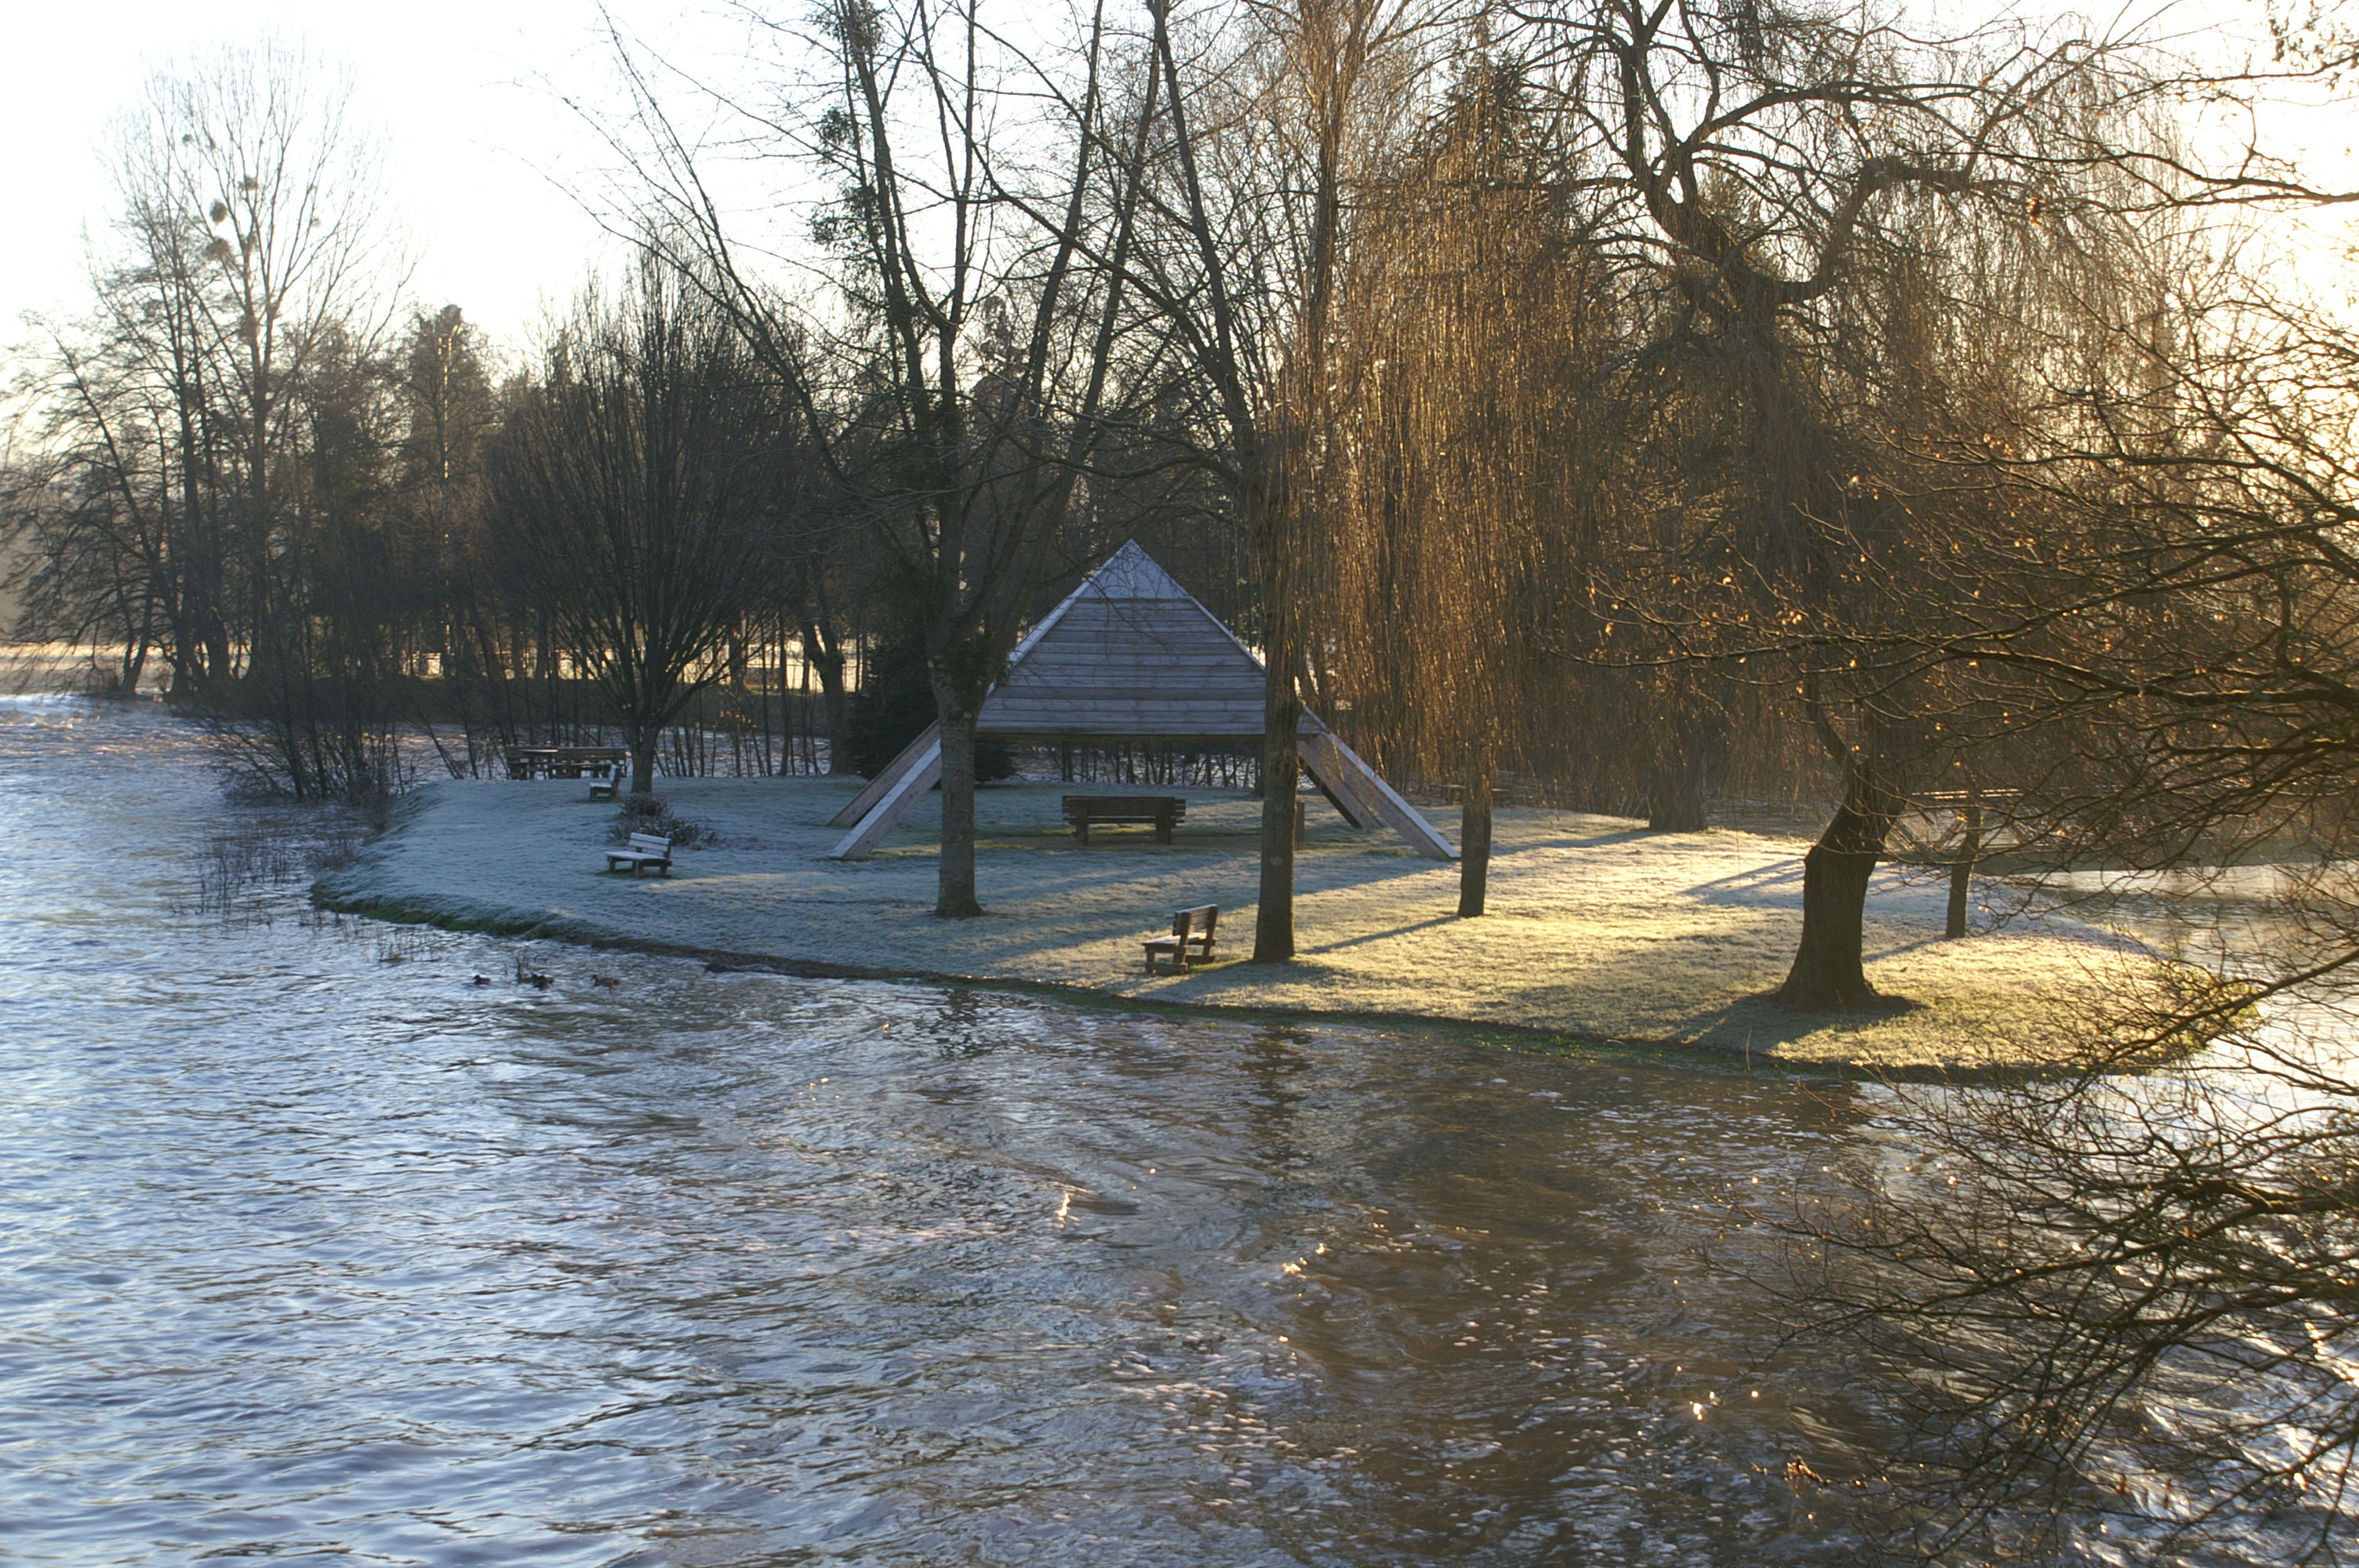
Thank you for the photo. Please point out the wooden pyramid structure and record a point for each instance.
(1130, 656)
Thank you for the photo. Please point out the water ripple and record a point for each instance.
(312, 1255)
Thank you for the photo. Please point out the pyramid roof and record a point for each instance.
(1129, 653)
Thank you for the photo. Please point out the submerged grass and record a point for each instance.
(263, 850)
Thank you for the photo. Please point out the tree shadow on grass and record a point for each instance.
(1233, 973)
(1779, 883)
(1600, 839)
(1762, 1023)
(1380, 935)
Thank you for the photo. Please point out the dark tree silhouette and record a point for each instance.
(630, 491)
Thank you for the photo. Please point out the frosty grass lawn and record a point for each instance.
(1597, 929)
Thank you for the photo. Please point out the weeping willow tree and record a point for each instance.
(1465, 330)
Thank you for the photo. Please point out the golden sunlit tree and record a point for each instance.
(1468, 315)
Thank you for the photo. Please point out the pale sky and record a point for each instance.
(479, 147)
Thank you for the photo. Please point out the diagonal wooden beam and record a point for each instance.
(905, 792)
(882, 784)
(1340, 771)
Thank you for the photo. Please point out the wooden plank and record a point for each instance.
(1169, 686)
(1047, 724)
(1117, 672)
(1118, 699)
(1342, 785)
(1119, 723)
(1125, 666)
(1123, 724)
(1338, 763)
(1343, 790)
(865, 801)
(895, 804)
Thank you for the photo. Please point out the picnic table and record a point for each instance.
(1162, 811)
(566, 761)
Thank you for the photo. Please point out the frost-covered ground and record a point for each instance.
(1597, 928)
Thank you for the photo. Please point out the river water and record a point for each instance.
(314, 1248)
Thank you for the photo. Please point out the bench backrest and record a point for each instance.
(1197, 921)
(651, 844)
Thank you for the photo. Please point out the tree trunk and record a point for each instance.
(1828, 970)
(1680, 800)
(1281, 755)
(1962, 870)
(1281, 777)
(954, 896)
(214, 688)
(1474, 841)
(827, 658)
(642, 736)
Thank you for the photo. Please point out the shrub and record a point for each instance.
(652, 813)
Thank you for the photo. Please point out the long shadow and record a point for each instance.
(1381, 935)
(1777, 884)
(1768, 1022)
(1579, 841)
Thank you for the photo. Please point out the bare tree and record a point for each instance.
(2129, 1285)
(956, 397)
(249, 244)
(1763, 167)
(630, 491)
(1248, 158)
(2124, 1303)
(1461, 423)
(254, 144)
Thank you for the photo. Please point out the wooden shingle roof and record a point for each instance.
(1130, 654)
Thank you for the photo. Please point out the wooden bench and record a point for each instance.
(565, 762)
(1191, 941)
(644, 850)
(1164, 811)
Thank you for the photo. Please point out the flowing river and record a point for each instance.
(315, 1246)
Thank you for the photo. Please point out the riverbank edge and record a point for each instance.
(1573, 1044)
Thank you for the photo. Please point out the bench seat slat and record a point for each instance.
(1190, 940)
(644, 849)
